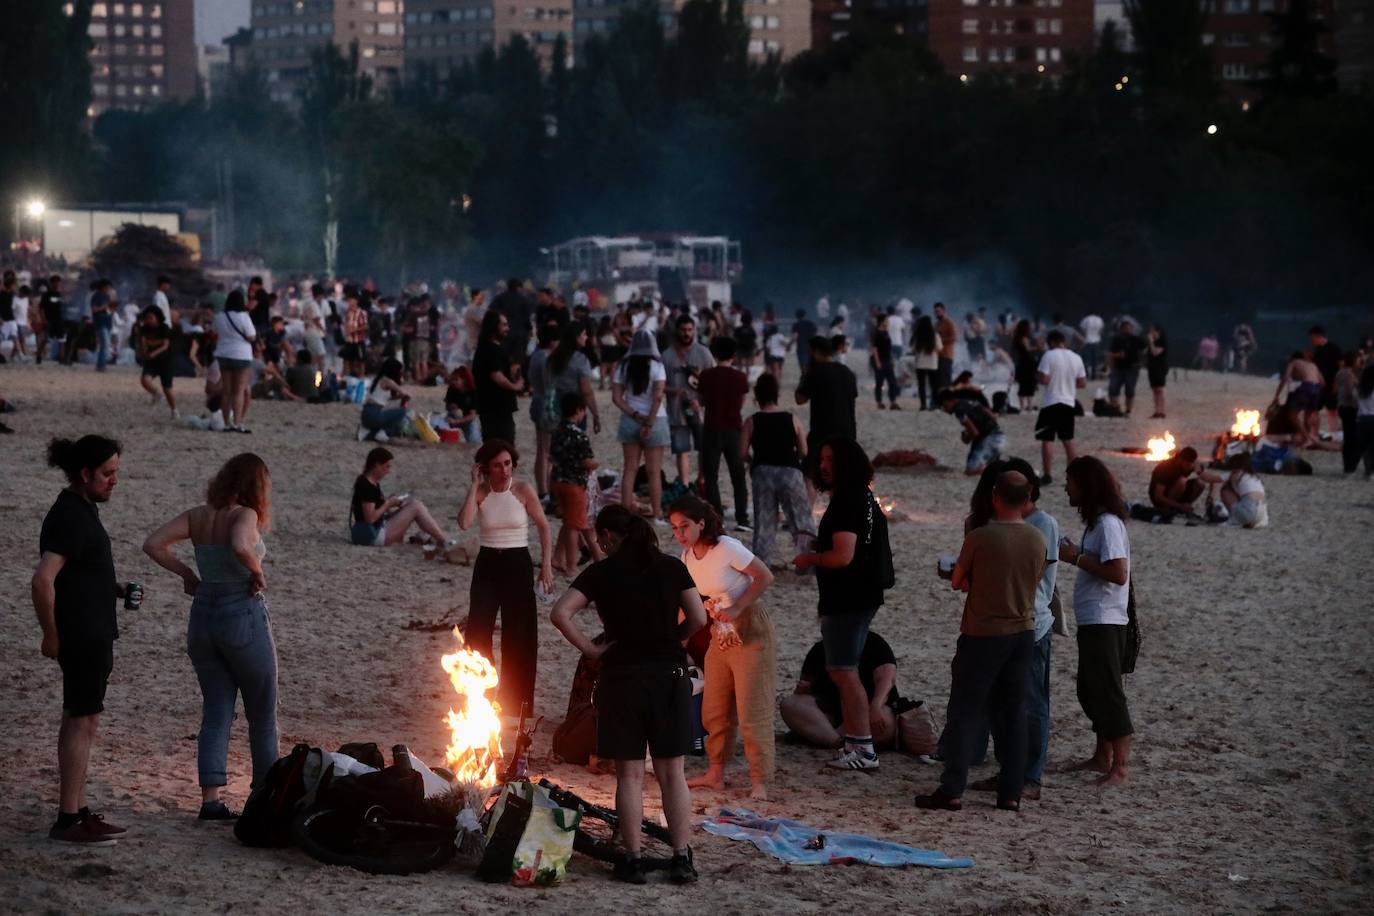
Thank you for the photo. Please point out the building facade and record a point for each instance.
(287, 32)
(1355, 45)
(441, 35)
(1017, 36)
(778, 28)
(1241, 36)
(141, 54)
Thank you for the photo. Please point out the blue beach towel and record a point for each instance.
(798, 844)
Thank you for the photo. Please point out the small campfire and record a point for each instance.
(474, 750)
(1158, 449)
(1247, 425)
(1242, 438)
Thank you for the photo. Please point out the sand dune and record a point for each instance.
(1252, 701)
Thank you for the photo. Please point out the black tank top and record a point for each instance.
(774, 441)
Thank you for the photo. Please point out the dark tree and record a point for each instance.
(1298, 68)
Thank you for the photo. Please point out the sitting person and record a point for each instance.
(1243, 495)
(1174, 488)
(272, 385)
(303, 380)
(812, 710)
(375, 520)
(378, 421)
(460, 404)
(980, 430)
(214, 401)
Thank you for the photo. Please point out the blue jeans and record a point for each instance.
(1092, 358)
(102, 349)
(1037, 717)
(387, 419)
(229, 640)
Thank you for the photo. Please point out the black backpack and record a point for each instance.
(878, 545)
(267, 815)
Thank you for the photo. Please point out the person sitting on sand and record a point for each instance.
(812, 710)
(1101, 598)
(1243, 494)
(375, 520)
(980, 430)
(1177, 482)
(741, 663)
(378, 421)
(229, 636)
(460, 404)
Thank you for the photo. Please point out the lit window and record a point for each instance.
(994, 55)
(119, 9)
(120, 30)
(756, 22)
(1056, 26)
(136, 9)
(970, 2)
(136, 30)
(1054, 55)
(155, 89)
(1041, 26)
(774, 23)
(971, 55)
(387, 7)
(970, 26)
(99, 10)
(369, 52)
(755, 46)
(386, 28)
(155, 10)
(100, 90)
(98, 30)
(772, 47)
(1236, 40)
(154, 31)
(1208, 38)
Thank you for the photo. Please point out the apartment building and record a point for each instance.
(141, 54)
(441, 35)
(286, 32)
(1020, 36)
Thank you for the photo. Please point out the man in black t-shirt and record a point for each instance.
(803, 329)
(1327, 356)
(980, 430)
(1124, 353)
(498, 380)
(74, 593)
(831, 390)
(812, 711)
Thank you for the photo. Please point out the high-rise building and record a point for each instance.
(441, 35)
(779, 28)
(832, 20)
(598, 17)
(1020, 36)
(1355, 45)
(1241, 36)
(141, 53)
(286, 32)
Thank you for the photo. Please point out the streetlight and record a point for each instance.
(36, 208)
(1211, 129)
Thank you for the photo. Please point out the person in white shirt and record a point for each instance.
(235, 336)
(897, 328)
(1092, 326)
(1061, 373)
(1243, 495)
(1101, 602)
(312, 317)
(160, 300)
(741, 663)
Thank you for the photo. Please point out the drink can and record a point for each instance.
(133, 596)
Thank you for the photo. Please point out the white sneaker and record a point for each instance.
(853, 760)
(381, 437)
(362, 434)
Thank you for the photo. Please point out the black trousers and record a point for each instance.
(1350, 445)
(714, 444)
(990, 675)
(498, 425)
(926, 377)
(503, 582)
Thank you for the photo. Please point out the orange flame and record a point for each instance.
(474, 748)
(1247, 423)
(1159, 449)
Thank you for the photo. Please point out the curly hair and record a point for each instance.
(243, 481)
(703, 513)
(1098, 491)
(493, 447)
(852, 472)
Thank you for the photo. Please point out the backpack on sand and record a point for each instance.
(266, 818)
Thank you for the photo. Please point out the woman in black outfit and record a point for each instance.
(1157, 366)
(498, 381)
(643, 698)
(1027, 361)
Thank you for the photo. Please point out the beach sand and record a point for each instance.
(1251, 703)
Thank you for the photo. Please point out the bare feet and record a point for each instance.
(711, 779)
(1093, 764)
(759, 791)
(1116, 777)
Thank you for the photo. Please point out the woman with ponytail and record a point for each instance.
(649, 606)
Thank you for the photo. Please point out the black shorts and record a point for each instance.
(643, 708)
(1157, 377)
(1100, 692)
(161, 369)
(86, 667)
(1054, 421)
(1329, 400)
(353, 353)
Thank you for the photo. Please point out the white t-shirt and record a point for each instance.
(163, 306)
(1064, 368)
(896, 329)
(1248, 484)
(1365, 405)
(640, 403)
(21, 311)
(777, 346)
(720, 574)
(1096, 600)
(235, 332)
(312, 315)
(1092, 329)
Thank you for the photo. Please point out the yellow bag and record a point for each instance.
(540, 857)
(424, 431)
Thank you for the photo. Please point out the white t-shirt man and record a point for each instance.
(1091, 327)
(896, 329)
(1064, 368)
(720, 574)
(163, 306)
(21, 312)
(1096, 600)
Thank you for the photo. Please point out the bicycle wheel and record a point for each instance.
(598, 834)
(339, 837)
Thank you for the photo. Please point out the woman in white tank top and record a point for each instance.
(503, 575)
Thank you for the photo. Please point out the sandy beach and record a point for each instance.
(1251, 702)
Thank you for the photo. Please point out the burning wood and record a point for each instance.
(1160, 449)
(1247, 424)
(474, 749)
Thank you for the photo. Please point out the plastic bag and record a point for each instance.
(529, 837)
(725, 634)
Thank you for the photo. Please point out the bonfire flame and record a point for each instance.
(1247, 424)
(474, 748)
(1159, 449)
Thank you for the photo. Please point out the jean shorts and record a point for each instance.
(844, 636)
(989, 448)
(365, 535)
(628, 433)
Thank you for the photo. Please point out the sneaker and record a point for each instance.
(5, 429)
(1046, 479)
(894, 406)
(852, 759)
(381, 437)
(363, 434)
(98, 824)
(681, 869)
(631, 871)
(81, 834)
(216, 811)
(661, 523)
(743, 526)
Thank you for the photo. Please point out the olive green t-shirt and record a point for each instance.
(1004, 561)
